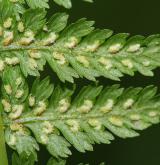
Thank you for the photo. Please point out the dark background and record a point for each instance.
(134, 17)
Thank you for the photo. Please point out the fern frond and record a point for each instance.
(77, 51)
(58, 118)
(23, 159)
(42, 3)
(53, 161)
(67, 3)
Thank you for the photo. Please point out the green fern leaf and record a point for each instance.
(58, 121)
(73, 51)
(38, 3)
(67, 3)
(34, 4)
(88, 0)
(22, 159)
(54, 161)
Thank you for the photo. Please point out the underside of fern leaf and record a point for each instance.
(77, 50)
(58, 118)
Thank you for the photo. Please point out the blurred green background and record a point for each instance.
(134, 17)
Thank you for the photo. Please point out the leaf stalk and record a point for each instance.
(3, 152)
